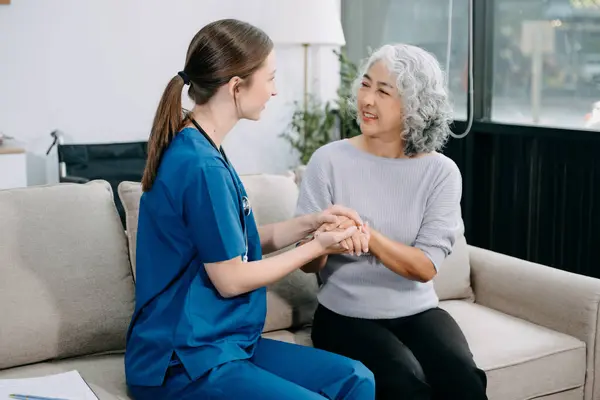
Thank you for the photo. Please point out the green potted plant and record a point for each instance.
(346, 113)
(312, 126)
(314, 123)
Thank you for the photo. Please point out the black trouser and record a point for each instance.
(423, 356)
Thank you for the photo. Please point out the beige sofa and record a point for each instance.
(67, 294)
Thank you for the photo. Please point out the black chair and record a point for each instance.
(112, 162)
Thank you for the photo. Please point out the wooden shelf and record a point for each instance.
(11, 149)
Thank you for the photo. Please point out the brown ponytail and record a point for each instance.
(220, 51)
(168, 120)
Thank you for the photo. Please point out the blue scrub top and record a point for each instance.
(192, 215)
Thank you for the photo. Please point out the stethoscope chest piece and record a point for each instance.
(246, 205)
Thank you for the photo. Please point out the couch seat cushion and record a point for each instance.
(522, 360)
(104, 374)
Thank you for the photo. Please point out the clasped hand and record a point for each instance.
(341, 230)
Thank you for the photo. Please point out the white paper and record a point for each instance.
(68, 385)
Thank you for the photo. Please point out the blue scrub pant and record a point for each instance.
(277, 371)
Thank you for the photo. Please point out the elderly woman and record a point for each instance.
(377, 302)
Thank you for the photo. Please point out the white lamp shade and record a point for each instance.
(303, 22)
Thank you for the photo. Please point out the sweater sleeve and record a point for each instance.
(442, 221)
(315, 188)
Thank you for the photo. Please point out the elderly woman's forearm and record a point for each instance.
(407, 261)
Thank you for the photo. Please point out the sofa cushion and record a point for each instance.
(522, 360)
(66, 287)
(130, 194)
(291, 302)
(453, 281)
(273, 197)
(104, 374)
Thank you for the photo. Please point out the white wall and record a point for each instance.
(95, 69)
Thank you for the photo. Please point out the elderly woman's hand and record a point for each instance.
(357, 243)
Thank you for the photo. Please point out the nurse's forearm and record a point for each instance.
(234, 277)
(274, 237)
(313, 266)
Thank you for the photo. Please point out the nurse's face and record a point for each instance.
(253, 98)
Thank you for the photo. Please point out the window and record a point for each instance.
(547, 63)
(424, 23)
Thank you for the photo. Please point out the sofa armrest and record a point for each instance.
(553, 298)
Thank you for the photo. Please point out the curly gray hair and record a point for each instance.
(422, 87)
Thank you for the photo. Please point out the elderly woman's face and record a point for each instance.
(379, 105)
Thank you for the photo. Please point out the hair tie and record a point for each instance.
(185, 77)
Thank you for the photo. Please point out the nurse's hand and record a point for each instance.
(334, 242)
(332, 217)
(358, 243)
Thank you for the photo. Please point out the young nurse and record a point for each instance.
(200, 287)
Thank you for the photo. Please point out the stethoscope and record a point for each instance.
(244, 203)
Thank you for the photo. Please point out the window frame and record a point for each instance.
(483, 74)
(484, 12)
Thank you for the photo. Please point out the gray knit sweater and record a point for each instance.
(412, 201)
